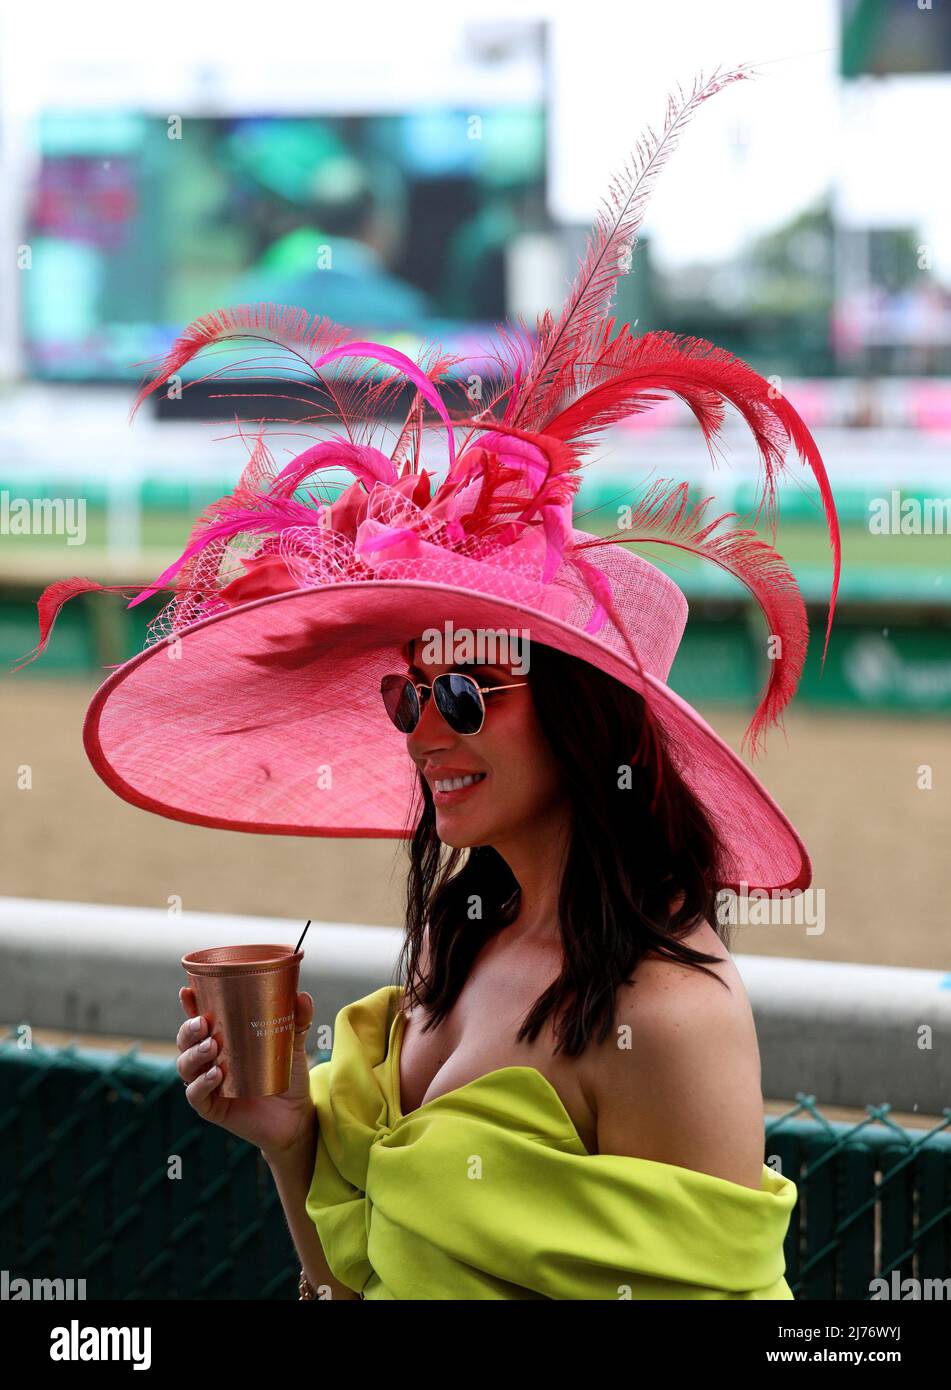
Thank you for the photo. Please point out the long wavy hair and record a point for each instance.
(625, 867)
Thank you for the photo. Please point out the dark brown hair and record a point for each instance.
(625, 868)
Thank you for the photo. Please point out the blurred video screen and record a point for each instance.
(387, 223)
(881, 37)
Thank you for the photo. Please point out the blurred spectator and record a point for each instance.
(333, 257)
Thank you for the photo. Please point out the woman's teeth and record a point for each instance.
(451, 784)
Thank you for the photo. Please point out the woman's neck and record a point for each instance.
(537, 861)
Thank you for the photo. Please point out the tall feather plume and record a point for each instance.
(547, 378)
(576, 381)
(665, 516)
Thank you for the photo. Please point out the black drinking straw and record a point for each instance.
(302, 935)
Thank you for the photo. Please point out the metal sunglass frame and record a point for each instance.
(421, 704)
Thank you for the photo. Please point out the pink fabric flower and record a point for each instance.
(265, 575)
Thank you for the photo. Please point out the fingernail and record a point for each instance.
(198, 1023)
(205, 1046)
(211, 1073)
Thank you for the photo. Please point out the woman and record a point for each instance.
(566, 1103)
(654, 1056)
(549, 792)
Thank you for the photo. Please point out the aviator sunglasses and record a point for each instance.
(458, 698)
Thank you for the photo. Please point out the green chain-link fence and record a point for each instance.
(88, 1146)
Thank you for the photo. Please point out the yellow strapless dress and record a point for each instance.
(488, 1192)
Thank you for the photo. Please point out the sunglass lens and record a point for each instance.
(401, 701)
(459, 702)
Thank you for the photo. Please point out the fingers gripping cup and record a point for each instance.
(249, 995)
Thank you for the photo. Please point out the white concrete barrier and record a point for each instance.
(849, 1034)
(99, 969)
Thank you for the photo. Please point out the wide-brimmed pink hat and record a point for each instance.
(256, 704)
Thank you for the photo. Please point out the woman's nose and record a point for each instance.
(432, 731)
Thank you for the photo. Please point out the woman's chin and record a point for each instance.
(459, 833)
(456, 839)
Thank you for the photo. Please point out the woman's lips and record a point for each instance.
(450, 798)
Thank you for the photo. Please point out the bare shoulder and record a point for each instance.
(668, 1000)
(660, 982)
(678, 1078)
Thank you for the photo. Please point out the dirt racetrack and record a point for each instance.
(880, 845)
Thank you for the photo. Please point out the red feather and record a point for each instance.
(630, 374)
(51, 601)
(349, 395)
(665, 516)
(541, 384)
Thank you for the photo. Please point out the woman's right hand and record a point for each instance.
(276, 1124)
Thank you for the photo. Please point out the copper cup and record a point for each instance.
(249, 996)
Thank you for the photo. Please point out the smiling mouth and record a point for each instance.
(448, 790)
(451, 784)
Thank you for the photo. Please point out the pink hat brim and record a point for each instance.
(267, 718)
